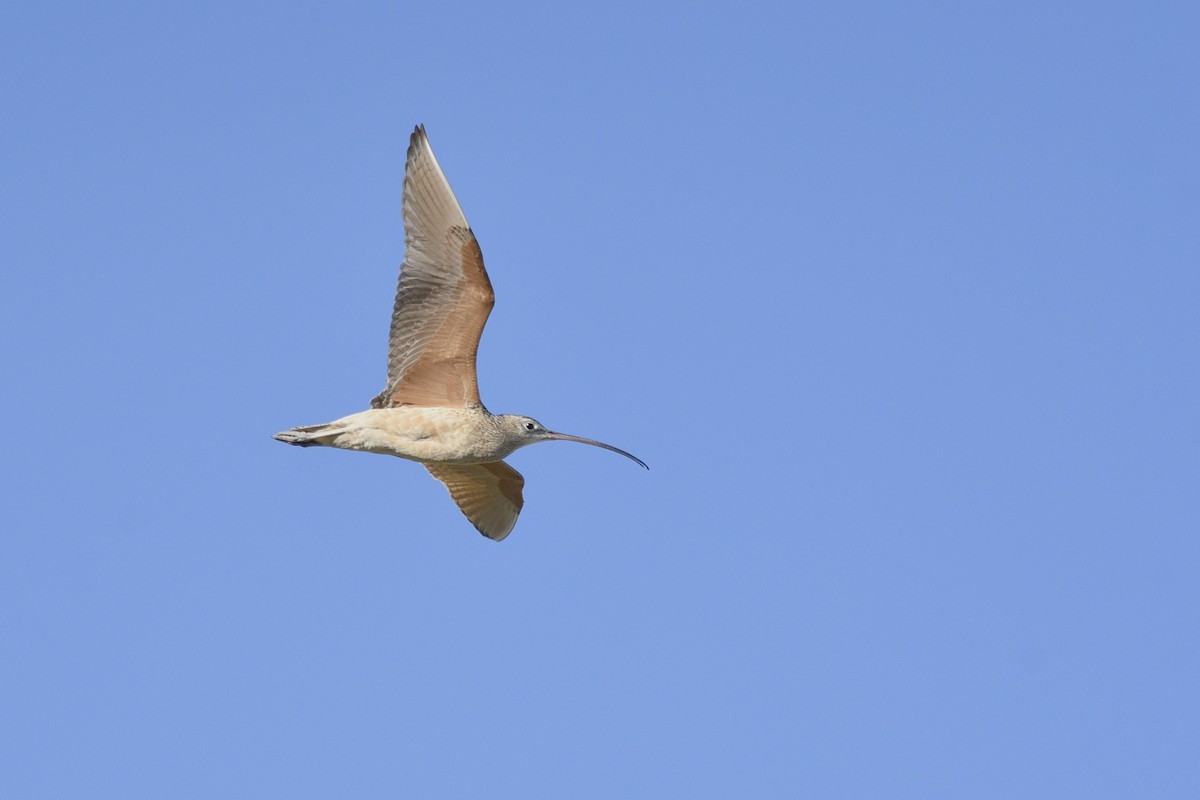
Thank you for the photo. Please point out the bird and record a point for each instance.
(430, 410)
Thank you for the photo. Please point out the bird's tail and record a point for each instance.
(307, 436)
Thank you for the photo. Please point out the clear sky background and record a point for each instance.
(898, 300)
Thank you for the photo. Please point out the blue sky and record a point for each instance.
(899, 302)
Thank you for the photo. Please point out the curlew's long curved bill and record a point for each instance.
(566, 437)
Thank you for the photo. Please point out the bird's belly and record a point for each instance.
(446, 435)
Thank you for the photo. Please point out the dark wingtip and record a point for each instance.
(418, 137)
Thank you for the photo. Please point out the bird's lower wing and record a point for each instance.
(489, 494)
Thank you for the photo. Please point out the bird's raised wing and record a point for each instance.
(489, 494)
(443, 297)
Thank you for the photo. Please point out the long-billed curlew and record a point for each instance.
(430, 410)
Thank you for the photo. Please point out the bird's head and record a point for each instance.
(526, 430)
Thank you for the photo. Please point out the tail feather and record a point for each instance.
(304, 437)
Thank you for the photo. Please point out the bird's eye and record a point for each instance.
(530, 426)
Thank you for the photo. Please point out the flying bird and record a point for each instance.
(430, 410)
